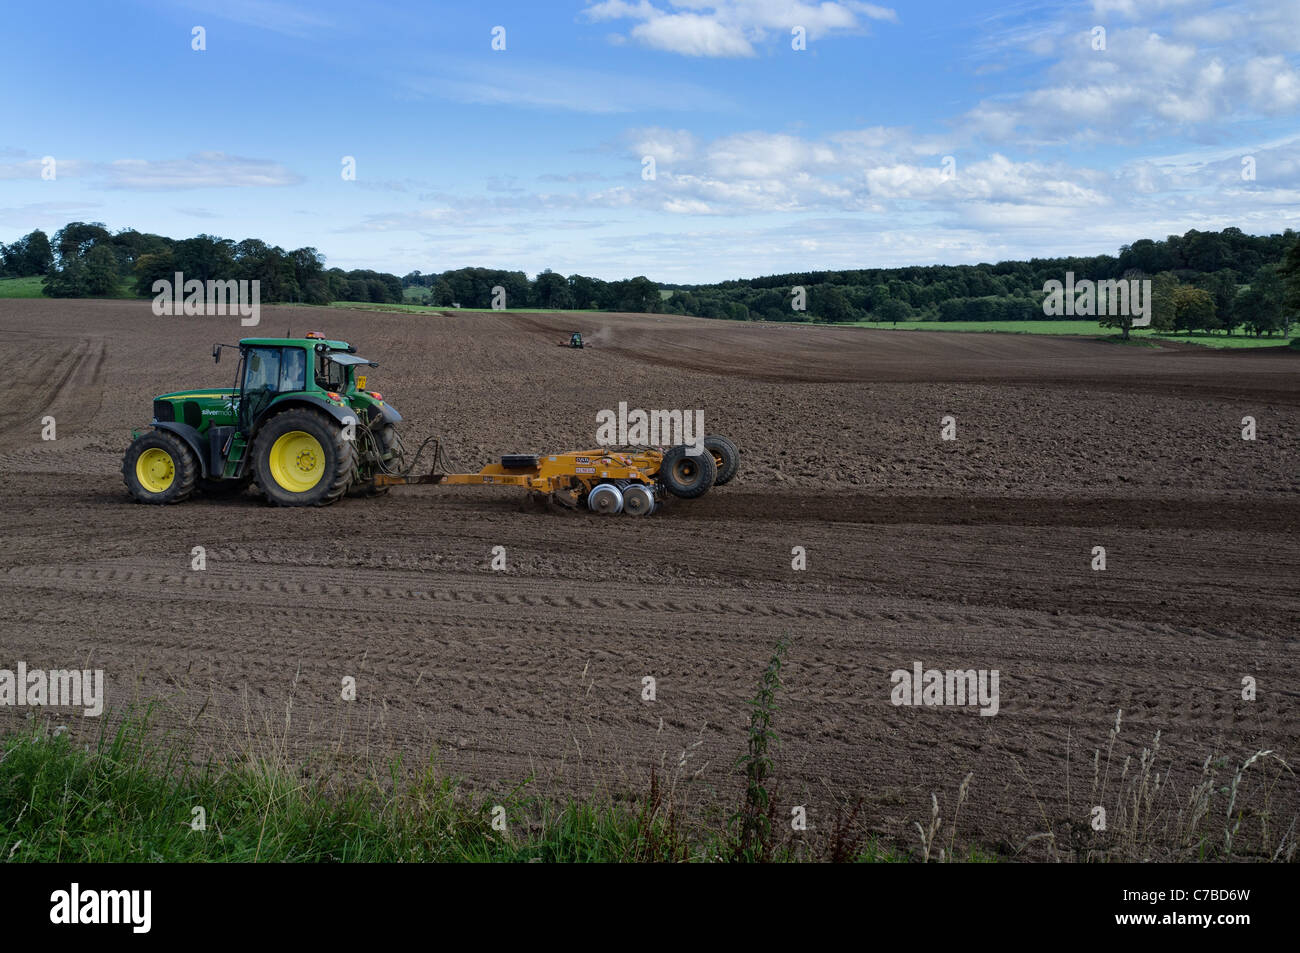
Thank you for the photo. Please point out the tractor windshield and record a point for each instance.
(276, 370)
(263, 371)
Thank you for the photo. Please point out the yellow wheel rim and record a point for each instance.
(297, 461)
(155, 470)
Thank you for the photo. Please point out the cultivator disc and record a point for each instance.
(638, 500)
(606, 500)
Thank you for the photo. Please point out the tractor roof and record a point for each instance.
(295, 342)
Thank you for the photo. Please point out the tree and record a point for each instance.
(309, 275)
(552, 291)
(1163, 287)
(1222, 287)
(1290, 275)
(832, 305)
(1203, 251)
(585, 291)
(441, 294)
(101, 270)
(74, 239)
(1193, 309)
(29, 255)
(893, 311)
(638, 294)
(154, 267)
(66, 281)
(205, 257)
(1261, 306)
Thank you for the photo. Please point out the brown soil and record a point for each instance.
(965, 554)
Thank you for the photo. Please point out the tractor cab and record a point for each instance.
(575, 339)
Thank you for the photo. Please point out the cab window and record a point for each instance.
(278, 370)
(293, 370)
(263, 369)
(329, 375)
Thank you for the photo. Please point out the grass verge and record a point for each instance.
(135, 795)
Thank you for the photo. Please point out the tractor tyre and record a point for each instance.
(159, 467)
(725, 455)
(300, 458)
(687, 476)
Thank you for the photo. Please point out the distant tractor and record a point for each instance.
(575, 340)
(298, 421)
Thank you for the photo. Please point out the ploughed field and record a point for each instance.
(974, 553)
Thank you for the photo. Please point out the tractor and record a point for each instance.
(575, 341)
(298, 421)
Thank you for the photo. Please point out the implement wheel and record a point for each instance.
(605, 499)
(725, 456)
(687, 476)
(638, 500)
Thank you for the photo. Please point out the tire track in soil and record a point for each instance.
(957, 557)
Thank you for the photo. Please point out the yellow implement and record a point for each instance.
(630, 480)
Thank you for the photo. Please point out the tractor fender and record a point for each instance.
(389, 414)
(344, 415)
(191, 436)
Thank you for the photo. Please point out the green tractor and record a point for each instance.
(299, 422)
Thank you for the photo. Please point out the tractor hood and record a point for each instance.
(202, 394)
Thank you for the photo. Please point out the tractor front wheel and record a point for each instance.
(300, 458)
(159, 467)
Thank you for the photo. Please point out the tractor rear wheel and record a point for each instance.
(725, 455)
(685, 475)
(160, 467)
(300, 458)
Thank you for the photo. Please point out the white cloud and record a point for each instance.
(666, 146)
(1191, 65)
(692, 35)
(203, 170)
(24, 165)
(731, 28)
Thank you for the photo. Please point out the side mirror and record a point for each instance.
(216, 354)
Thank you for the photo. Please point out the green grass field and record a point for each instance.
(31, 288)
(1079, 328)
(20, 287)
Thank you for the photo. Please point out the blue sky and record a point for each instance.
(909, 133)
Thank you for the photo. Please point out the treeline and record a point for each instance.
(474, 288)
(85, 259)
(1200, 281)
